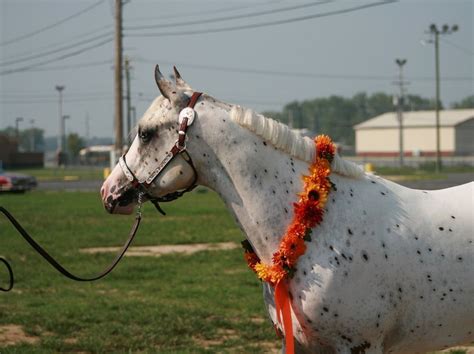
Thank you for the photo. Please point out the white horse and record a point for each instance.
(389, 270)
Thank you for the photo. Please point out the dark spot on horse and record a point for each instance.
(441, 228)
(349, 231)
(114, 187)
(373, 182)
(418, 251)
(450, 230)
(453, 217)
(265, 170)
(365, 256)
(383, 245)
(180, 172)
(400, 290)
(265, 143)
(286, 210)
(460, 259)
(382, 193)
(331, 248)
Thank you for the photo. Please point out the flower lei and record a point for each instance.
(308, 213)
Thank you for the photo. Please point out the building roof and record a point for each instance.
(448, 118)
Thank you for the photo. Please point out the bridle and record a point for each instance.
(186, 119)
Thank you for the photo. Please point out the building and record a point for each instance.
(379, 136)
(10, 157)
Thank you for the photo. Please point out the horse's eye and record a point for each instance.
(145, 136)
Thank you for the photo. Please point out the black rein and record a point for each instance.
(55, 264)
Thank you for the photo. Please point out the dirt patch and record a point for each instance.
(157, 251)
(14, 334)
(468, 350)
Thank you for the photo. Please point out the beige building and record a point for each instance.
(379, 136)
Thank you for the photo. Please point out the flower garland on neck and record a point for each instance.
(308, 213)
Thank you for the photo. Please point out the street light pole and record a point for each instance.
(400, 102)
(436, 32)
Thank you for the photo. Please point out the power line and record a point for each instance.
(70, 46)
(262, 24)
(68, 40)
(305, 75)
(465, 50)
(227, 18)
(72, 66)
(193, 13)
(62, 57)
(55, 24)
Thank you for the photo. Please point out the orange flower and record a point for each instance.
(308, 213)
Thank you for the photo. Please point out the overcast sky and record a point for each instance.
(260, 54)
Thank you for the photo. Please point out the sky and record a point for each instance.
(259, 54)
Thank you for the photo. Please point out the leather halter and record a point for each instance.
(179, 147)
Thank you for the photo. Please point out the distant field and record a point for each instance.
(207, 302)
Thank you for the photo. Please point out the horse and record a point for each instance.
(388, 270)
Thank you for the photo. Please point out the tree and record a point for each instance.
(74, 144)
(467, 102)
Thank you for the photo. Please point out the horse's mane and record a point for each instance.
(285, 139)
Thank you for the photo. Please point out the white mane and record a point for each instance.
(287, 140)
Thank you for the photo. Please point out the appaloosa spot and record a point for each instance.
(157, 251)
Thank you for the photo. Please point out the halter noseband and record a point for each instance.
(186, 118)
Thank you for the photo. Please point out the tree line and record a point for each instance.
(333, 115)
(336, 115)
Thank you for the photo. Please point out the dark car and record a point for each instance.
(16, 182)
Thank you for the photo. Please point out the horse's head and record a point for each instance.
(156, 164)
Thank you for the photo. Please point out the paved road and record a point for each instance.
(453, 179)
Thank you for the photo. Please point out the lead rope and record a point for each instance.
(55, 264)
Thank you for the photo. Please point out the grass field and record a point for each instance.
(207, 302)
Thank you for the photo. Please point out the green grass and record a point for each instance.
(58, 174)
(205, 303)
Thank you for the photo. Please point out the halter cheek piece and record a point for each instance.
(186, 118)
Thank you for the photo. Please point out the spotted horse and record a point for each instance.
(388, 269)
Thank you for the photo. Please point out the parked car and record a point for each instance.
(16, 182)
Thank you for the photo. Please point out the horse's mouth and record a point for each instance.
(124, 204)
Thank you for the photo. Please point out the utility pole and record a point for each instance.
(436, 32)
(118, 81)
(400, 102)
(32, 135)
(87, 121)
(17, 129)
(60, 89)
(127, 83)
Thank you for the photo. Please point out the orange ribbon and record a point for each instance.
(283, 306)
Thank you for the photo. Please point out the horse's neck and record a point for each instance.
(257, 182)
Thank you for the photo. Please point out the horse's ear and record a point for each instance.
(167, 89)
(179, 80)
